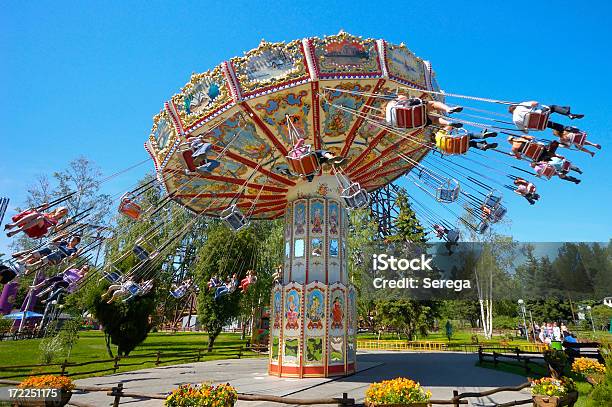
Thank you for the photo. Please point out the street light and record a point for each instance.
(591, 316)
(522, 305)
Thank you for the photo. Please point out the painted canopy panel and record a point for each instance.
(328, 89)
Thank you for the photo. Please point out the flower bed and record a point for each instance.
(591, 369)
(553, 392)
(61, 383)
(203, 395)
(396, 393)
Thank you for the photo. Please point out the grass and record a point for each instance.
(91, 347)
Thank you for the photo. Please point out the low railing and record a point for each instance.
(118, 392)
(372, 344)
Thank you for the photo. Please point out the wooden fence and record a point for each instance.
(118, 392)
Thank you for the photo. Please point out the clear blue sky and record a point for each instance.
(85, 78)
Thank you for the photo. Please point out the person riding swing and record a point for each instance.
(413, 113)
(34, 222)
(533, 116)
(527, 190)
(196, 157)
(448, 143)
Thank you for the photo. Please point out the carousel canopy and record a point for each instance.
(326, 87)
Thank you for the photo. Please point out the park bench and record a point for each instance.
(583, 349)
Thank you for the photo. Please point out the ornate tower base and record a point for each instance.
(314, 318)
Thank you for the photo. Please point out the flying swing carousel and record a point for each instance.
(305, 131)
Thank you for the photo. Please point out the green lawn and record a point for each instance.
(464, 337)
(91, 347)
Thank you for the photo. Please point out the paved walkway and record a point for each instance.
(440, 372)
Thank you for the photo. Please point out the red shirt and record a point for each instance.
(37, 231)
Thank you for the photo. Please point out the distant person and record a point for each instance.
(568, 138)
(527, 190)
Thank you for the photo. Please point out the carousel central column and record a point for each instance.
(313, 321)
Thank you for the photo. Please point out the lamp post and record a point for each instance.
(588, 307)
(522, 305)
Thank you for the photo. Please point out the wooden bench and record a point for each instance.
(583, 349)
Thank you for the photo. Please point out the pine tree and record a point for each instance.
(409, 229)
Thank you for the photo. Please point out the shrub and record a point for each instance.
(602, 392)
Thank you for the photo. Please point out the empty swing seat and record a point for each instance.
(140, 253)
(129, 207)
(304, 162)
(498, 214)
(178, 293)
(533, 150)
(409, 117)
(112, 277)
(448, 193)
(455, 144)
(133, 289)
(482, 227)
(453, 236)
(355, 196)
(492, 201)
(537, 118)
(188, 158)
(234, 218)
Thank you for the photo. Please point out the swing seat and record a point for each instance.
(129, 207)
(548, 171)
(536, 119)
(566, 166)
(578, 139)
(455, 144)
(178, 293)
(234, 218)
(303, 163)
(453, 236)
(498, 214)
(140, 253)
(533, 150)
(409, 117)
(188, 158)
(531, 188)
(492, 201)
(134, 289)
(112, 277)
(355, 196)
(448, 193)
(482, 227)
(209, 166)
